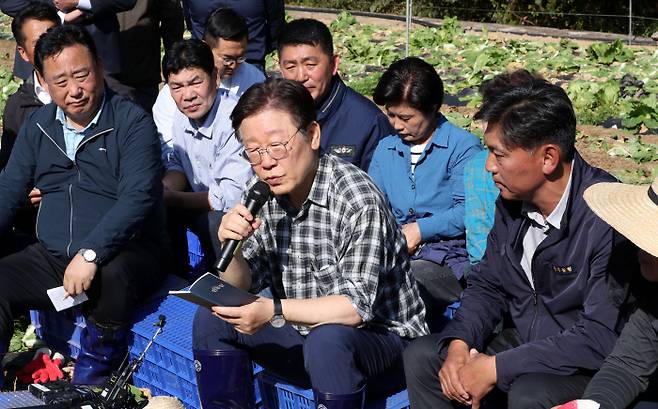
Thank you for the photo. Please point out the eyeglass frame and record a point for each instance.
(230, 60)
(266, 149)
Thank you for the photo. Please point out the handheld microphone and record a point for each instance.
(256, 198)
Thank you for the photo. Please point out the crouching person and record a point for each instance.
(344, 305)
(95, 157)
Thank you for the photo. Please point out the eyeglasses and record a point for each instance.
(227, 60)
(276, 151)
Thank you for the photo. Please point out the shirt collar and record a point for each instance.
(331, 98)
(205, 129)
(61, 117)
(555, 218)
(320, 189)
(439, 136)
(319, 193)
(40, 92)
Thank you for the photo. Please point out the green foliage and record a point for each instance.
(5, 27)
(569, 14)
(642, 111)
(594, 101)
(8, 86)
(343, 20)
(637, 150)
(366, 85)
(636, 176)
(465, 60)
(607, 53)
(16, 343)
(458, 119)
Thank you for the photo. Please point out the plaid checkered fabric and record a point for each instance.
(343, 241)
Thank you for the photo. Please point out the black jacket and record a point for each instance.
(568, 323)
(110, 194)
(101, 23)
(265, 20)
(19, 104)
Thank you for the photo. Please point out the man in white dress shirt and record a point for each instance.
(227, 35)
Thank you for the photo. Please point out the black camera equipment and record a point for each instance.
(115, 394)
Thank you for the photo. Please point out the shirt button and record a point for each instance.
(413, 186)
(411, 211)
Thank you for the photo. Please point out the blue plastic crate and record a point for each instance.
(168, 368)
(278, 394)
(19, 399)
(59, 330)
(196, 256)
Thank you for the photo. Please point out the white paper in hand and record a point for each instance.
(57, 295)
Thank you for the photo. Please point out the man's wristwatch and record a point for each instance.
(278, 320)
(88, 254)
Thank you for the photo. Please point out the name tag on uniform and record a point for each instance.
(563, 269)
(343, 150)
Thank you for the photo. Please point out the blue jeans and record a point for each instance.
(331, 358)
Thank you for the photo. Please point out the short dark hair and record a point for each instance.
(227, 24)
(191, 53)
(276, 93)
(307, 31)
(492, 86)
(35, 11)
(57, 38)
(411, 81)
(530, 113)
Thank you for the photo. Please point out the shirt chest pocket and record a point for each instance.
(325, 278)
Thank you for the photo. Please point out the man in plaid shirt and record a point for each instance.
(343, 303)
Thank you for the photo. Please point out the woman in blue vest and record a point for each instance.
(420, 170)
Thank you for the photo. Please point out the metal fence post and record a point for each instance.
(409, 14)
(630, 21)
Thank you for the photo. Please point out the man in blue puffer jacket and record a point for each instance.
(95, 158)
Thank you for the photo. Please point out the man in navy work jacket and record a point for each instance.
(351, 124)
(545, 265)
(95, 157)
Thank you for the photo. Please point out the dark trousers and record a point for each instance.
(438, 287)
(631, 368)
(118, 287)
(422, 363)
(331, 358)
(204, 224)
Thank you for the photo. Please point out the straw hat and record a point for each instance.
(632, 210)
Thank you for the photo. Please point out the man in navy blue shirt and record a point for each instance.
(265, 18)
(351, 124)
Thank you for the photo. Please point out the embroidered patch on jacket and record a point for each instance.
(343, 150)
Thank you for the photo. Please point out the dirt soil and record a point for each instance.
(7, 50)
